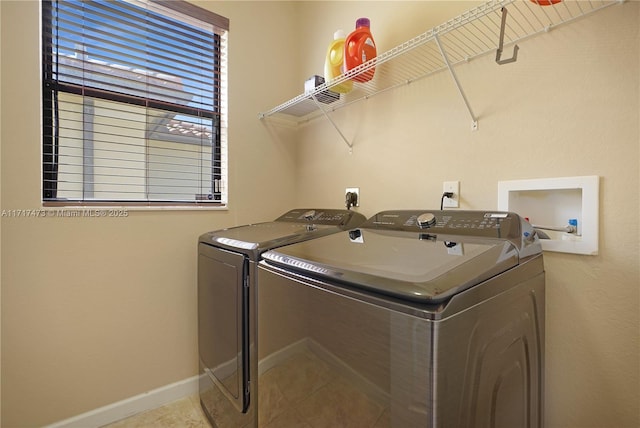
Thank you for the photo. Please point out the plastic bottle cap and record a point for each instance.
(363, 22)
(339, 34)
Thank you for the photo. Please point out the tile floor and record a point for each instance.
(183, 413)
(305, 392)
(300, 392)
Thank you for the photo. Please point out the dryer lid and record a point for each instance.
(263, 236)
(294, 226)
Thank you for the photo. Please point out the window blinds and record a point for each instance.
(134, 102)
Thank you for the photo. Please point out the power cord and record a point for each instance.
(351, 200)
(445, 195)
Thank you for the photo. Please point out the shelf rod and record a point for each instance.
(313, 96)
(474, 123)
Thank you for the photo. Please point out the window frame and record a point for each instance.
(51, 88)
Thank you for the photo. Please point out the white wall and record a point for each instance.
(569, 106)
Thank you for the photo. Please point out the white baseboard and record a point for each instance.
(131, 406)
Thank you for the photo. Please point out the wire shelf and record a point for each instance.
(472, 34)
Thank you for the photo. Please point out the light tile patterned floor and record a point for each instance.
(305, 392)
(184, 413)
(301, 392)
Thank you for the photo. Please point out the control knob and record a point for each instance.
(309, 215)
(426, 220)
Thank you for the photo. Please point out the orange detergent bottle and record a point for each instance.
(334, 63)
(360, 48)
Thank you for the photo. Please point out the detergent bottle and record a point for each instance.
(360, 48)
(334, 63)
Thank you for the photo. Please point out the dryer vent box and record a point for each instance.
(555, 203)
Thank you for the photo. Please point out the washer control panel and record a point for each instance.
(426, 220)
(479, 223)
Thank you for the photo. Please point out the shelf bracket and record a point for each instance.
(501, 43)
(313, 97)
(474, 120)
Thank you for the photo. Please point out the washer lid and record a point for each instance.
(417, 267)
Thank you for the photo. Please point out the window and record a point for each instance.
(134, 103)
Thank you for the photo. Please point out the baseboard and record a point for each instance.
(131, 406)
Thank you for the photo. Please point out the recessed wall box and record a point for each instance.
(566, 209)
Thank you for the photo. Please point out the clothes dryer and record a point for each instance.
(227, 309)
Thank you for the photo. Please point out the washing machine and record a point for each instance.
(414, 319)
(227, 309)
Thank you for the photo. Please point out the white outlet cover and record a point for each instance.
(355, 190)
(454, 187)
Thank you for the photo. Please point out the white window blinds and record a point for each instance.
(134, 102)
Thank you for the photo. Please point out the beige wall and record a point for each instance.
(569, 106)
(98, 310)
(0, 233)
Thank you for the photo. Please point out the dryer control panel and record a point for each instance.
(331, 217)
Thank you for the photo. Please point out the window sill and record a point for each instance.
(142, 206)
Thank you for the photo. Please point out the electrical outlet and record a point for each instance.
(353, 190)
(453, 187)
